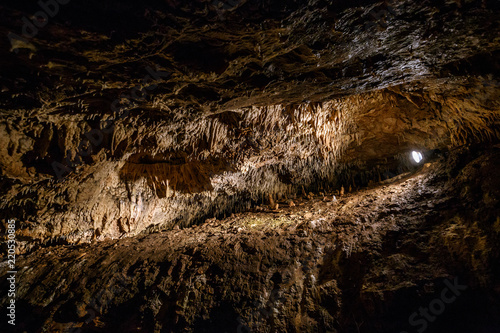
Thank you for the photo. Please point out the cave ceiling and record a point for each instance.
(119, 116)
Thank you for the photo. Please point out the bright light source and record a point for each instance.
(417, 156)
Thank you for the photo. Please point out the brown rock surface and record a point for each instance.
(366, 263)
(170, 164)
(261, 100)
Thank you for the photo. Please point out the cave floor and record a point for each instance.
(363, 263)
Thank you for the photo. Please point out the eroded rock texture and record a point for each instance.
(362, 263)
(258, 99)
(122, 119)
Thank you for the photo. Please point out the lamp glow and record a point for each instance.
(417, 156)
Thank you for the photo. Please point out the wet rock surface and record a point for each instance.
(361, 263)
(259, 99)
(244, 166)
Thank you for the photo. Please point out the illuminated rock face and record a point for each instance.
(140, 117)
(121, 120)
(428, 240)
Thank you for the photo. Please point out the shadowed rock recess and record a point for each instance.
(246, 165)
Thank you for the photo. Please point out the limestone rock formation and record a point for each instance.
(125, 126)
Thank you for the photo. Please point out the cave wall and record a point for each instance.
(364, 263)
(263, 100)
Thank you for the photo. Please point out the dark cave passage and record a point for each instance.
(250, 166)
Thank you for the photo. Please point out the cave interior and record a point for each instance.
(250, 166)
